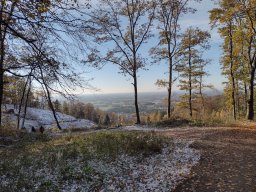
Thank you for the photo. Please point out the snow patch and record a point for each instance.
(41, 117)
(138, 128)
(160, 172)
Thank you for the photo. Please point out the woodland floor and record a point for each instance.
(228, 159)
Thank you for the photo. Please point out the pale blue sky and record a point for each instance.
(108, 80)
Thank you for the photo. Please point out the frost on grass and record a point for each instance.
(78, 170)
(161, 172)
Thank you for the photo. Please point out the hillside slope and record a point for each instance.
(42, 117)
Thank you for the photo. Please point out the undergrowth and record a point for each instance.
(38, 162)
(208, 122)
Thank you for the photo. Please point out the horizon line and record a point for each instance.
(143, 92)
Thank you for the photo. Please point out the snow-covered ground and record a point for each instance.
(158, 172)
(41, 117)
(161, 172)
(139, 128)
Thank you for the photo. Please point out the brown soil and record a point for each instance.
(228, 159)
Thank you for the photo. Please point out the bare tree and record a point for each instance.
(125, 26)
(45, 65)
(60, 19)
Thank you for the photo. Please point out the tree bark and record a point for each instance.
(21, 102)
(3, 31)
(2, 54)
(252, 64)
(233, 96)
(1, 76)
(52, 108)
(237, 99)
(169, 88)
(49, 99)
(201, 91)
(231, 70)
(135, 68)
(190, 82)
(250, 108)
(26, 102)
(245, 97)
(136, 99)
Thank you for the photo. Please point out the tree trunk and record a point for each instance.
(190, 83)
(169, 88)
(21, 102)
(2, 53)
(1, 77)
(26, 103)
(51, 107)
(231, 70)
(2, 57)
(233, 96)
(201, 94)
(245, 97)
(49, 98)
(250, 108)
(237, 99)
(135, 68)
(136, 99)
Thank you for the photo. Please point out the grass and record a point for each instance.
(209, 122)
(39, 162)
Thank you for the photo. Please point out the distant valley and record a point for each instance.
(124, 102)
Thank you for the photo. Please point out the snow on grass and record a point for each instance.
(137, 128)
(62, 171)
(161, 172)
(79, 123)
(145, 128)
(41, 117)
(46, 116)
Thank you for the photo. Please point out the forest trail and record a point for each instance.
(228, 159)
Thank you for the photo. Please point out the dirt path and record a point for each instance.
(228, 159)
